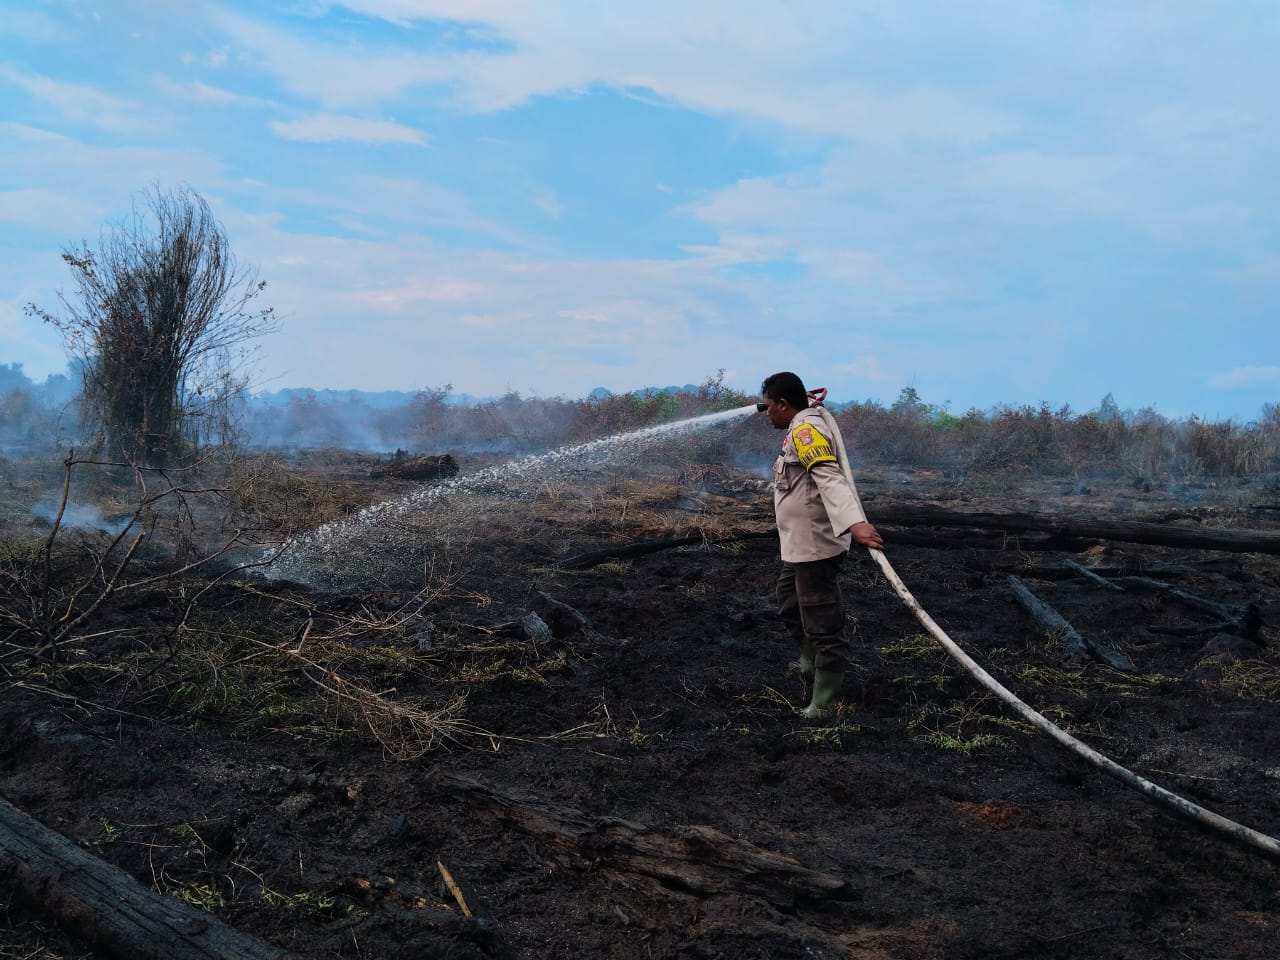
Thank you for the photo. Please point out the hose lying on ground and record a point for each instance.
(1171, 801)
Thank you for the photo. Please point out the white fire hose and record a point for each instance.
(1175, 803)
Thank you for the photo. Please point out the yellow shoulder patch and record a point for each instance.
(811, 446)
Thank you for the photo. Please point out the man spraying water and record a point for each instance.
(819, 515)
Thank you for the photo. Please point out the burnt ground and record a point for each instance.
(214, 765)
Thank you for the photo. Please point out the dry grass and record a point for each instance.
(283, 497)
(405, 730)
(1257, 679)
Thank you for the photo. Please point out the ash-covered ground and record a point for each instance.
(623, 775)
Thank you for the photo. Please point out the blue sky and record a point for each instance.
(993, 202)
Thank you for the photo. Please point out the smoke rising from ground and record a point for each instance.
(78, 515)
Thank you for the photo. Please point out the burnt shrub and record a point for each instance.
(900, 437)
(1226, 449)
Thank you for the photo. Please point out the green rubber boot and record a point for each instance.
(803, 665)
(826, 687)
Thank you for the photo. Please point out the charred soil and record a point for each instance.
(494, 756)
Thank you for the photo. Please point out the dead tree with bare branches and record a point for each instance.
(158, 325)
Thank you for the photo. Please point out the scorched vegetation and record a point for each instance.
(547, 713)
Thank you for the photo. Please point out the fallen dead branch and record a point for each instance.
(1092, 577)
(110, 908)
(1081, 528)
(404, 732)
(1244, 620)
(997, 531)
(972, 539)
(1202, 630)
(1073, 644)
(454, 888)
(1076, 646)
(692, 859)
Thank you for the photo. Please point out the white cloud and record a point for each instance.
(37, 208)
(200, 92)
(25, 134)
(821, 221)
(738, 248)
(1088, 185)
(101, 178)
(30, 25)
(419, 314)
(897, 182)
(327, 127)
(861, 271)
(407, 12)
(417, 293)
(1249, 376)
(338, 77)
(759, 202)
(868, 369)
(772, 65)
(547, 202)
(81, 103)
(415, 206)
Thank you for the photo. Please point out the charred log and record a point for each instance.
(1054, 572)
(972, 539)
(993, 531)
(1073, 644)
(1081, 528)
(1091, 576)
(1076, 646)
(430, 467)
(1244, 620)
(110, 908)
(934, 539)
(1225, 648)
(690, 859)
(1195, 631)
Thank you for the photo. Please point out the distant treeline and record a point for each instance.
(1140, 445)
(437, 421)
(33, 416)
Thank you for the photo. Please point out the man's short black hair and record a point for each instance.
(785, 386)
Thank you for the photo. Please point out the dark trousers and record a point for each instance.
(810, 604)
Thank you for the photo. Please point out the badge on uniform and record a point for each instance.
(811, 446)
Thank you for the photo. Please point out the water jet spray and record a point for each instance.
(296, 560)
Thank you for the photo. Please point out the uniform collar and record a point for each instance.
(800, 416)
